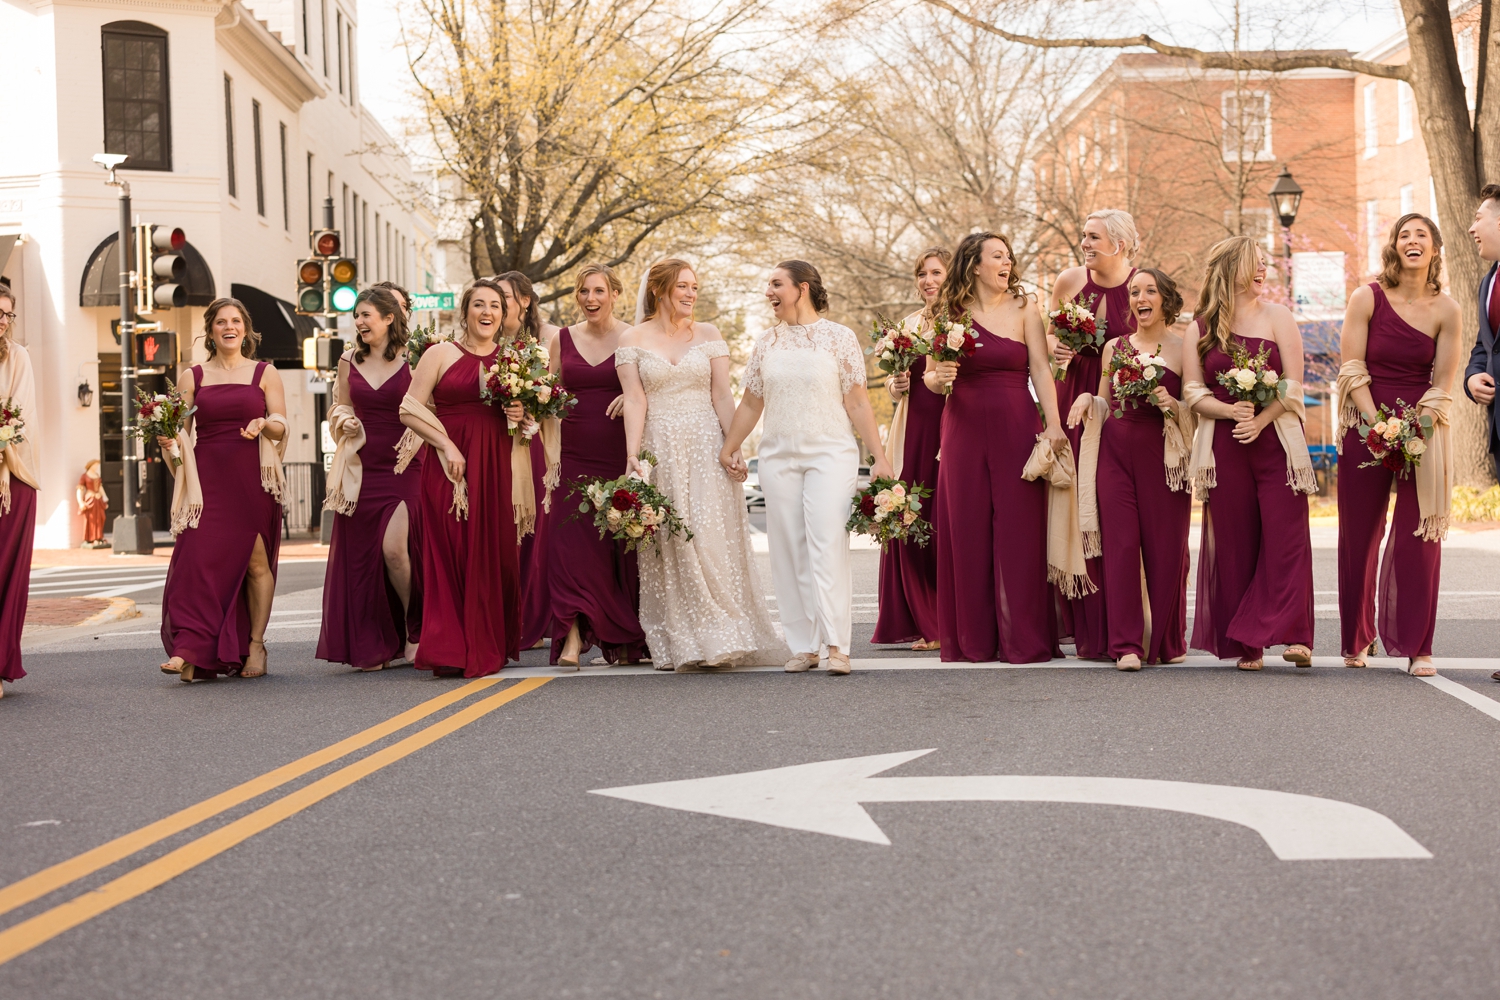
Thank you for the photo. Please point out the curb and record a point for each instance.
(120, 609)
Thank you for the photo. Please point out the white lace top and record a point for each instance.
(803, 373)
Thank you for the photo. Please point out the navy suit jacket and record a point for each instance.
(1483, 357)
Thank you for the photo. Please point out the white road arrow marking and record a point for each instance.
(825, 798)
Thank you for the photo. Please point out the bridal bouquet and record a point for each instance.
(1075, 328)
(895, 348)
(952, 341)
(1133, 375)
(1251, 379)
(162, 414)
(422, 337)
(520, 375)
(12, 423)
(888, 510)
(629, 509)
(1397, 438)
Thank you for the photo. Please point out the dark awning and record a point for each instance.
(101, 277)
(281, 329)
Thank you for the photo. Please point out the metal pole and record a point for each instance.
(132, 534)
(1286, 236)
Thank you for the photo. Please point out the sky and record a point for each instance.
(1345, 24)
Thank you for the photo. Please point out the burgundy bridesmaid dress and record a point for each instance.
(590, 580)
(205, 615)
(534, 556)
(908, 573)
(1086, 619)
(363, 621)
(1399, 357)
(993, 599)
(16, 532)
(471, 594)
(1255, 583)
(1143, 522)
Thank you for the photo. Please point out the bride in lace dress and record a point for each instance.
(701, 600)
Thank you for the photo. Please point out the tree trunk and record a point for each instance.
(1444, 114)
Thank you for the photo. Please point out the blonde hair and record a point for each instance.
(1231, 266)
(1120, 227)
(1390, 256)
(604, 271)
(660, 281)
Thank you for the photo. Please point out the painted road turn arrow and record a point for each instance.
(825, 798)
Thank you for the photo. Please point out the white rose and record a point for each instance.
(635, 529)
(1269, 376)
(613, 518)
(1148, 372)
(956, 340)
(898, 491)
(6, 433)
(1245, 378)
(514, 367)
(887, 356)
(544, 392)
(1392, 430)
(1415, 447)
(909, 516)
(880, 514)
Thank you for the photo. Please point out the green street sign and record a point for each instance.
(428, 301)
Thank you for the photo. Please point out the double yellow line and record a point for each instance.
(45, 926)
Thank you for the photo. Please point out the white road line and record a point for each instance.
(56, 581)
(122, 591)
(1468, 696)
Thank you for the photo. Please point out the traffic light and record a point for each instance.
(156, 349)
(326, 242)
(322, 353)
(310, 286)
(343, 271)
(160, 267)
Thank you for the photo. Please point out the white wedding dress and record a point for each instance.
(701, 600)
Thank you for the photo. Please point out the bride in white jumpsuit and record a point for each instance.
(807, 375)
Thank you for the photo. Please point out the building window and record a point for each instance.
(1372, 236)
(1258, 224)
(1372, 130)
(306, 36)
(286, 194)
(1468, 61)
(349, 30)
(1114, 141)
(1432, 208)
(310, 192)
(229, 135)
(1247, 125)
(379, 276)
(1406, 110)
(323, 37)
(338, 27)
(137, 112)
(1408, 199)
(260, 167)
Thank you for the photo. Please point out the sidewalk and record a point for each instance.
(297, 549)
(47, 615)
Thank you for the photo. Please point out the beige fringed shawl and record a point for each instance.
(187, 491)
(552, 449)
(1434, 473)
(424, 416)
(895, 438)
(1176, 432)
(346, 474)
(1066, 565)
(522, 489)
(19, 458)
(1299, 468)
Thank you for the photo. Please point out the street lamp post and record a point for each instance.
(1286, 198)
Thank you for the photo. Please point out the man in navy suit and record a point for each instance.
(1479, 376)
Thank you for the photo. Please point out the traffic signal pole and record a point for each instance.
(132, 531)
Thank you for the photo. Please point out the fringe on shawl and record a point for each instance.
(271, 478)
(1352, 375)
(187, 492)
(1434, 475)
(417, 411)
(552, 449)
(406, 449)
(522, 489)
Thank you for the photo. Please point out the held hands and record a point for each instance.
(899, 384)
(1080, 409)
(1482, 388)
(616, 407)
(734, 464)
(1164, 400)
(946, 372)
(252, 430)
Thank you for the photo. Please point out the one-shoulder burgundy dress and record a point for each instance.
(994, 602)
(1399, 358)
(908, 573)
(535, 554)
(590, 580)
(364, 624)
(1085, 619)
(471, 594)
(1143, 523)
(1255, 582)
(205, 615)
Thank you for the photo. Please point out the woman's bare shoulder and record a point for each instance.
(706, 332)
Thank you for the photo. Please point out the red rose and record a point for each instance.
(1375, 442)
(1088, 325)
(623, 500)
(1393, 461)
(867, 505)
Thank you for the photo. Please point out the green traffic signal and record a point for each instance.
(310, 301)
(343, 298)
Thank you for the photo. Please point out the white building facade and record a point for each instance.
(240, 118)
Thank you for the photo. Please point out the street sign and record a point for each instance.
(429, 301)
(825, 798)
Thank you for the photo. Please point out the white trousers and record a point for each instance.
(808, 488)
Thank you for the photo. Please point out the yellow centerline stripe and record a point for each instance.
(45, 926)
(47, 880)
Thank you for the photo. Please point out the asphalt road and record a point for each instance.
(461, 854)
